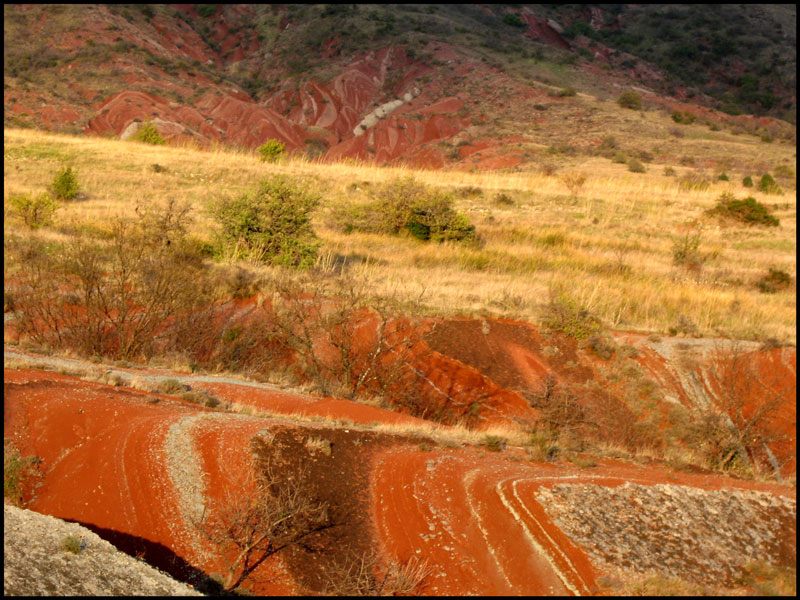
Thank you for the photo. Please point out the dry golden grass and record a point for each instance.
(608, 248)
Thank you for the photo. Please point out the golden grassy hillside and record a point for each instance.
(606, 246)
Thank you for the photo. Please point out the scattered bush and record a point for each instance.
(669, 171)
(747, 182)
(747, 210)
(634, 166)
(503, 199)
(630, 99)
(686, 251)
(723, 177)
(206, 10)
(694, 182)
(774, 281)
(271, 224)
(148, 133)
(783, 171)
(768, 185)
(16, 469)
(271, 150)
(574, 182)
(427, 214)
(259, 516)
(512, 19)
(65, 185)
(72, 543)
(564, 315)
(170, 386)
(35, 212)
(495, 443)
(620, 157)
(566, 92)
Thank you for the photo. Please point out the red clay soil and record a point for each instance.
(473, 516)
(105, 464)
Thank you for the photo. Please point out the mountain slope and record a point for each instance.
(383, 83)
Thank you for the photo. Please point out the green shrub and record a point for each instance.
(630, 99)
(686, 251)
(723, 177)
(783, 171)
(65, 185)
(768, 185)
(747, 210)
(72, 543)
(271, 224)
(35, 212)
(16, 469)
(747, 182)
(564, 315)
(271, 150)
(206, 10)
(634, 166)
(148, 133)
(773, 281)
(620, 157)
(566, 92)
(512, 19)
(428, 214)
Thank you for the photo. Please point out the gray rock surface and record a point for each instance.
(35, 563)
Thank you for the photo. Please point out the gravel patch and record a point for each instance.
(675, 531)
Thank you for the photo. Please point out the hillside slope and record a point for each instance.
(385, 84)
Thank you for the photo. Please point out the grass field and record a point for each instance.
(607, 247)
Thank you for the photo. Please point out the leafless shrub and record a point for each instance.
(361, 575)
(119, 299)
(258, 517)
(348, 343)
(735, 432)
(574, 182)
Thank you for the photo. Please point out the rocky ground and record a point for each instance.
(37, 563)
(675, 531)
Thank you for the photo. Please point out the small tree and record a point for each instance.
(35, 212)
(630, 99)
(148, 133)
(65, 184)
(270, 224)
(271, 150)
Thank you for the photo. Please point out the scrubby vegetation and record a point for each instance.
(149, 134)
(65, 185)
(746, 210)
(270, 224)
(35, 212)
(271, 150)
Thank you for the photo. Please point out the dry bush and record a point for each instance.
(259, 516)
(362, 575)
(348, 343)
(735, 431)
(119, 299)
(574, 182)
